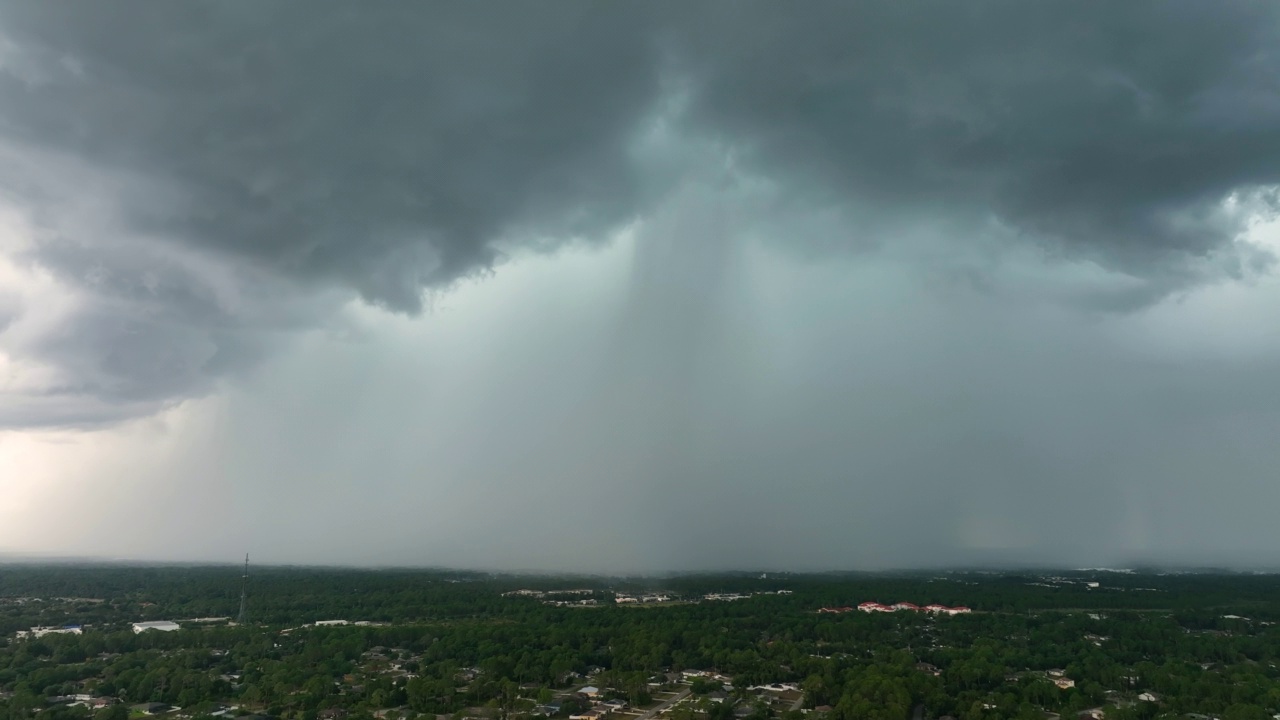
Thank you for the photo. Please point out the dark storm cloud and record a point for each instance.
(387, 149)
(389, 146)
(1111, 129)
(381, 147)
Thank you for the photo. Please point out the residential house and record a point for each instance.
(775, 687)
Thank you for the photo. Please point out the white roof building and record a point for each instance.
(39, 631)
(161, 625)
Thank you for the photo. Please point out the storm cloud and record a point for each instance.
(196, 195)
(392, 150)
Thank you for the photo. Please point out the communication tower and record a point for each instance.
(244, 591)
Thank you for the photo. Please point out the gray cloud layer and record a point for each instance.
(385, 148)
(300, 147)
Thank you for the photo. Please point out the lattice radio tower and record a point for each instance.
(244, 591)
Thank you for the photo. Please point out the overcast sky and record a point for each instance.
(631, 286)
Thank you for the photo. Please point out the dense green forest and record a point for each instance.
(1119, 646)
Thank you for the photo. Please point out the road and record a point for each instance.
(648, 714)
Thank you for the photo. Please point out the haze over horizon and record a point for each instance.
(641, 287)
(762, 573)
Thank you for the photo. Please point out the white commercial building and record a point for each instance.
(42, 631)
(161, 625)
